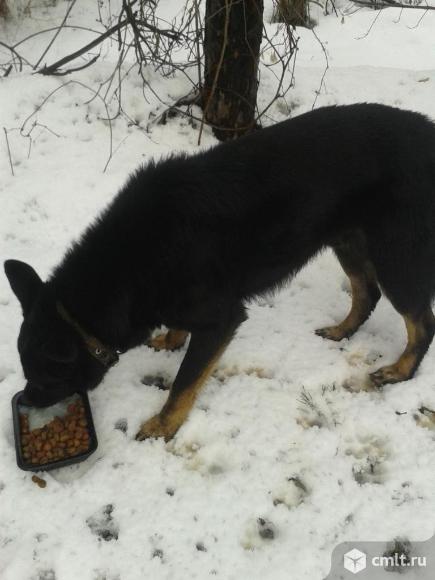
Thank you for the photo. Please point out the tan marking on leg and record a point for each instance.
(171, 340)
(177, 407)
(360, 310)
(425, 418)
(419, 339)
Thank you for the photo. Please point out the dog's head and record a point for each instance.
(55, 362)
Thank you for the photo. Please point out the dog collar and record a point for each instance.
(105, 355)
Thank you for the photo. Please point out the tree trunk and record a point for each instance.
(4, 10)
(292, 12)
(233, 34)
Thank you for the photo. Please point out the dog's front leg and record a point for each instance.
(171, 340)
(204, 350)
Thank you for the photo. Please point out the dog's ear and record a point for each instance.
(24, 281)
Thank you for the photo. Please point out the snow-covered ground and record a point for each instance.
(275, 437)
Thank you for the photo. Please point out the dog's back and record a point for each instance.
(270, 201)
(247, 214)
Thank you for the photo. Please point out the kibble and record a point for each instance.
(39, 481)
(59, 439)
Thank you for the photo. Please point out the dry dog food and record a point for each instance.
(61, 438)
(39, 481)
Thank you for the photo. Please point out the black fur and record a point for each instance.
(189, 239)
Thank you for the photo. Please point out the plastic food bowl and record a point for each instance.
(19, 408)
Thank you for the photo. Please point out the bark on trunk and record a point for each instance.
(233, 33)
(292, 12)
(4, 10)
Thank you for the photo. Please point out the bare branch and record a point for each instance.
(282, 53)
(370, 27)
(381, 4)
(20, 58)
(77, 68)
(51, 69)
(50, 44)
(27, 132)
(322, 80)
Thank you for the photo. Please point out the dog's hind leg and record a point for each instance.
(171, 340)
(204, 350)
(352, 254)
(403, 252)
(420, 329)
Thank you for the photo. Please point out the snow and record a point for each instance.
(280, 459)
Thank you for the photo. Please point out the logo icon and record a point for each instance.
(355, 561)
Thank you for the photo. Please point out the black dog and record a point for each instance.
(188, 240)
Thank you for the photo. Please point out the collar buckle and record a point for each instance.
(103, 354)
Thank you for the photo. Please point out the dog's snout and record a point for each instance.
(35, 396)
(24, 400)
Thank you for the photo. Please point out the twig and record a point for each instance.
(289, 50)
(45, 30)
(419, 21)
(375, 19)
(36, 124)
(62, 73)
(50, 44)
(197, 40)
(9, 152)
(322, 80)
(381, 4)
(39, 107)
(135, 23)
(48, 70)
(333, 7)
(20, 58)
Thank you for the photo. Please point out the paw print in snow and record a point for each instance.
(103, 525)
(291, 494)
(371, 454)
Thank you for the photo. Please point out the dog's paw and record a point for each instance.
(332, 333)
(386, 375)
(171, 340)
(158, 342)
(155, 428)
